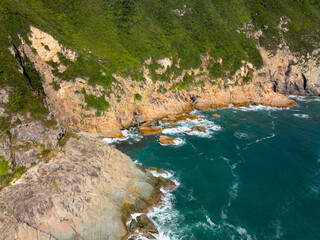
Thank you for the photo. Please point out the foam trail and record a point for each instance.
(300, 115)
(164, 216)
(259, 140)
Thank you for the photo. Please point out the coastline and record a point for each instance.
(253, 108)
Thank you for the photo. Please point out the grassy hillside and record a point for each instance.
(116, 36)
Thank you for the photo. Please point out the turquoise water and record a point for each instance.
(255, 175)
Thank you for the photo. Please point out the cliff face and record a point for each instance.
(158, 99)
(292, 75)
(86, 191)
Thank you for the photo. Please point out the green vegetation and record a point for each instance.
(4, 166)
(162, 89)
(55, 85)
(45, 152)
(63, 141)
(98, 103)
(137, 96)
(188, 80)
(5, 177)
(116, 36)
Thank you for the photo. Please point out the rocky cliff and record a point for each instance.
(86, 191)
(158, 99)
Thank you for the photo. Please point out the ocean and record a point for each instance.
(255, 174)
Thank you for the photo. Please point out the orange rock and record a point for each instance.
(172, 119)
(149, 130)
(215, 115)
(166, 140)
(199, 128)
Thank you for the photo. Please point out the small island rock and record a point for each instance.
(199, 129)
(166, 140)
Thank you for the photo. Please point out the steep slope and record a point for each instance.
(139, 53)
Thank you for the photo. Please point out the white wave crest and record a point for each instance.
(300, 115)
(258, 108)
(131, 134)
(164, 216)
(177, 130)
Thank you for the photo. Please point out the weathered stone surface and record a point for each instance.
(166, 140)
(149, 130)
(172, 119)
(199, 129)
(167, 184)
(133, 226)
(145, 224)
(79, 193)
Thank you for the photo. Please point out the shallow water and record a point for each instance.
(254, 175)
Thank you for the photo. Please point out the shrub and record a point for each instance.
(138, 97)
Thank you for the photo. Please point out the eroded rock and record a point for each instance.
(166, 140)
(80, 193)
(199, 129)
(149, 130)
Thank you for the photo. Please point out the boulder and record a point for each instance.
(199, 129)
(215, 115)
(167, 184)
(133, 226)
(172, 119)
(166, 140)
(149, 130)
(146, 225)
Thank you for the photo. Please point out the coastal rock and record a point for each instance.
(133, 226)
(149, 130)
(215, 115)
(149, 236)
(199, 129)
(146, 225)
(172, 119)
(166, 140)
(167, 184)
(82, 192)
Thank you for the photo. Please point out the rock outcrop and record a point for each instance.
(199, 129)
(165, 140)
(86, 191)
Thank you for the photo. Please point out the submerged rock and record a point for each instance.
(215, 115)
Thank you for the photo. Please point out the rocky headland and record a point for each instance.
(63, 182)
(86, 191)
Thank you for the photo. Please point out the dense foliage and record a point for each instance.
(116, 36)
